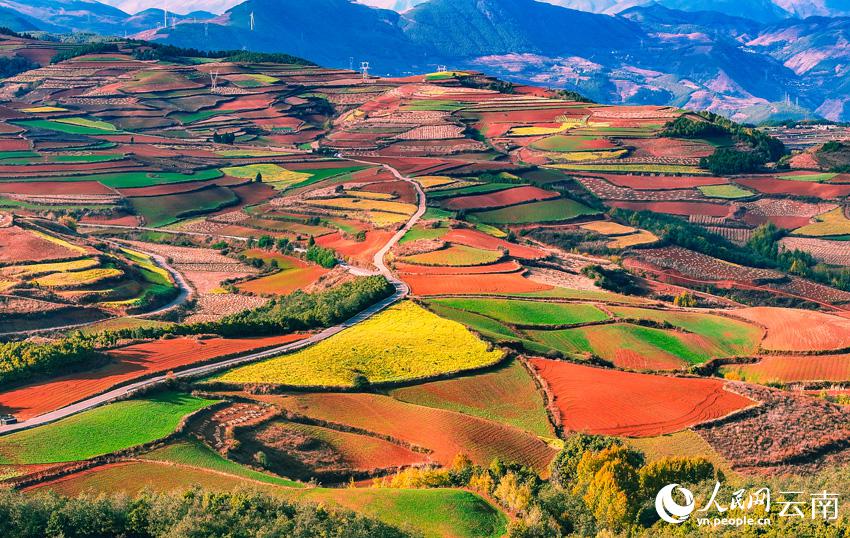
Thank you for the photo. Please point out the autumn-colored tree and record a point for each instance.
(609, 483)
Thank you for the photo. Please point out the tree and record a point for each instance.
(685, 299)
(609, 483)
(265, 242)
(258, 178)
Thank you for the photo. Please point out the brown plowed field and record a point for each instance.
(611, 402)
(651, 183)
(54, 187)
(358, 252)
(771, 185)
(472, 284)
(493, 268)
(504, 198)
(128, 363)
(792, 368)
(474, 238)
(798, 330)
(676, 208)
(19, 245)
(446, 433)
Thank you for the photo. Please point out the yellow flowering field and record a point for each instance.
(402, 343)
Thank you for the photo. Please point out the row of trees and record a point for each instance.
(298, 311)
(197, 513)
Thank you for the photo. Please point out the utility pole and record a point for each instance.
(214, 79)
(252, 21)
(364, 69)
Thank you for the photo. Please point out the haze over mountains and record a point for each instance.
(748, 59)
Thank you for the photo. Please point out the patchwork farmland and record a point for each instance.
(437, 301)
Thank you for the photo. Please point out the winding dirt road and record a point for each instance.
(401, 291)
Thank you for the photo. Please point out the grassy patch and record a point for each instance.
(164, 210)
(402, 343)
(528, 312)
(100, 431)
(196, 454)
(729, 192)
(455, 256)
(561, 209)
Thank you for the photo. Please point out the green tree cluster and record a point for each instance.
(20, 361)
(196, 513)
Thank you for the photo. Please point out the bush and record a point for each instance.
(322, 256)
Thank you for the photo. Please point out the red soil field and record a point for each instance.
(472, 284)
(789, 329)
(14, 144)
(247, 102)
(19, 245)
(360, 253)
(792, 368)
(500, 199)
(405, 191)
(54, 187)
(346, 451)
(671, 148)
(474, 238)
(168, 188)
(651, 183)
(676, 208)
(446, 433)
(117, 220)
(130, 363)
(611, 402)
(771, 185)
(299, 276)
(494, 268)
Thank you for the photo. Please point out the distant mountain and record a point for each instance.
(757, 10)
(153, 18)
(461, 28)
(395, 5)
(182, 7)
(329, 32)
(9, 18)
(70, 15)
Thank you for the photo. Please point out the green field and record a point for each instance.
(404, 342)
(101, 430)
(548, 211)
(417, 233)
(455, 256)
(728, 192)
(628, 168)
(814, 178)
(520, 312)
(611, 341)
(733, 336)
(564, 143)
(65, 126)
(194, 453)
(508, 395)
(472, 189)
(164, 210)
(128, 180)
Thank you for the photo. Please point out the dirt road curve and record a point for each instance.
(401, 291)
